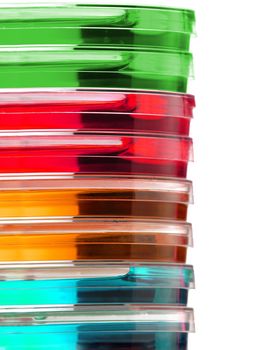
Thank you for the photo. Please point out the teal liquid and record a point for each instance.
(99, 337)
(37, 341)
(153, 284)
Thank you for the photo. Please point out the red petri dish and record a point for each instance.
(114, 111)
(34, 152)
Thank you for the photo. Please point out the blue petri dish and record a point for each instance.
(92, 283)
(103, 328)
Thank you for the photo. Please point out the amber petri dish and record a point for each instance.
(75, 195)
(55, 239)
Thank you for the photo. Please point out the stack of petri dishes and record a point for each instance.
(94, 150)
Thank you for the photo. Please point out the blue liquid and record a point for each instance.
(159, 285)
(96, 337)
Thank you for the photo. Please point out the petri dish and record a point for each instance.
(83, 152)
(90, 238)
(90, 110)
(69, 66)
(91, 283)
(107, 327)
(83, 24)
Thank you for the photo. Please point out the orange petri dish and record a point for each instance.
(94, 239)
(81, 196)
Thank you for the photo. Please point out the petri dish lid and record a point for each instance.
(70, 58)
(80, 184)
(98, 102)
(68, 230)
(62, 144)
(70, 66)
(150, 317)
(100, 274)
(63, 16)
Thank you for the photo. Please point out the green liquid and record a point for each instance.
(73, 67)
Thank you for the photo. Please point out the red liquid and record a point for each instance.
(90, 153)
(97, 111)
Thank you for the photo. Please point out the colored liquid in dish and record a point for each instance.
(122, 203)
(91, 340)
(71, 66)
(94, 239)
(74, 195)
(41, 198)
(118, 327)
(98, 26)
(88, 153)
(97, 111)
(88, 284)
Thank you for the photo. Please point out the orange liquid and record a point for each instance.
(77, 251)
(121, 203)
(92, 245)
(65, 244)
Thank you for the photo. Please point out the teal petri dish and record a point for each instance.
(78, 66)
(81, 283)
(92, 327)
(83, 24)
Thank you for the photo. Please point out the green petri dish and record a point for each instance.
(122, 26)
(70, 66)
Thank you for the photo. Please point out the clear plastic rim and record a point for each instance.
(82, 96)
(81, 225)
(78, 5)
(15, 182)
(181, 317)
(131, 230)
(179, 276)
(90, 89)
(93, 3)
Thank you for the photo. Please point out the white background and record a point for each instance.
(232, 173)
